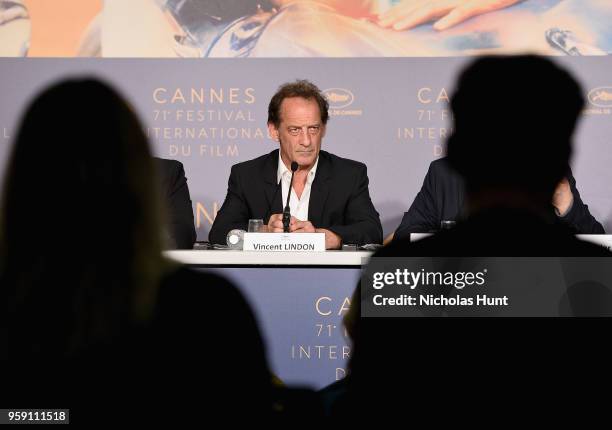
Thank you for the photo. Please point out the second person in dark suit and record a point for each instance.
(442, 197)
(180, 231)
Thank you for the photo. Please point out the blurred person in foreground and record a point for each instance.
(92, 317)
(418, 363)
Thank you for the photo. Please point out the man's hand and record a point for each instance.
(301, 226)
(275, 225)
(563, 197)
(332, 240)
(410, 13)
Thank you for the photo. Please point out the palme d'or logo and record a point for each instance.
(339, 98)
(601, 97)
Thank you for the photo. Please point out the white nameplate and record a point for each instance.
(284, 242)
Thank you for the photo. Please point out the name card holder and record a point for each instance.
(284, 242)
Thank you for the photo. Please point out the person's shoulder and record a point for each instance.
(338, 162)
(168, 168)
(256, 163)
(167, 164)
(440, 166)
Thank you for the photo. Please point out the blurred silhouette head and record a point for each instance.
(80, 226)
(514, 117)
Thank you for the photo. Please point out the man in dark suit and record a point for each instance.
(442, 199)
(329, 194)
(180, 233)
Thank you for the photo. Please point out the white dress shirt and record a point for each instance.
(298, 206)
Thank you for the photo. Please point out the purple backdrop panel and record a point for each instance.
(300, 312)
(390, 113)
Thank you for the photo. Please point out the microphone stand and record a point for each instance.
(287, 211)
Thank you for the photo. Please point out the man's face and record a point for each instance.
(300, 131)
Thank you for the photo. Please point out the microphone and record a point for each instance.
(287, 211)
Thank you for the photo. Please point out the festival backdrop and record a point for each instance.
(200, 74)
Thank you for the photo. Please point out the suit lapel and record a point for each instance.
(270, 185)
(319, 190)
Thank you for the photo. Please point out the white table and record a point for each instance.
(299, 299)
(598, 239)
(219, 258)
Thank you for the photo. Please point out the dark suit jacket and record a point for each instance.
(442, 196)
(339, 198)
(181, 232)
